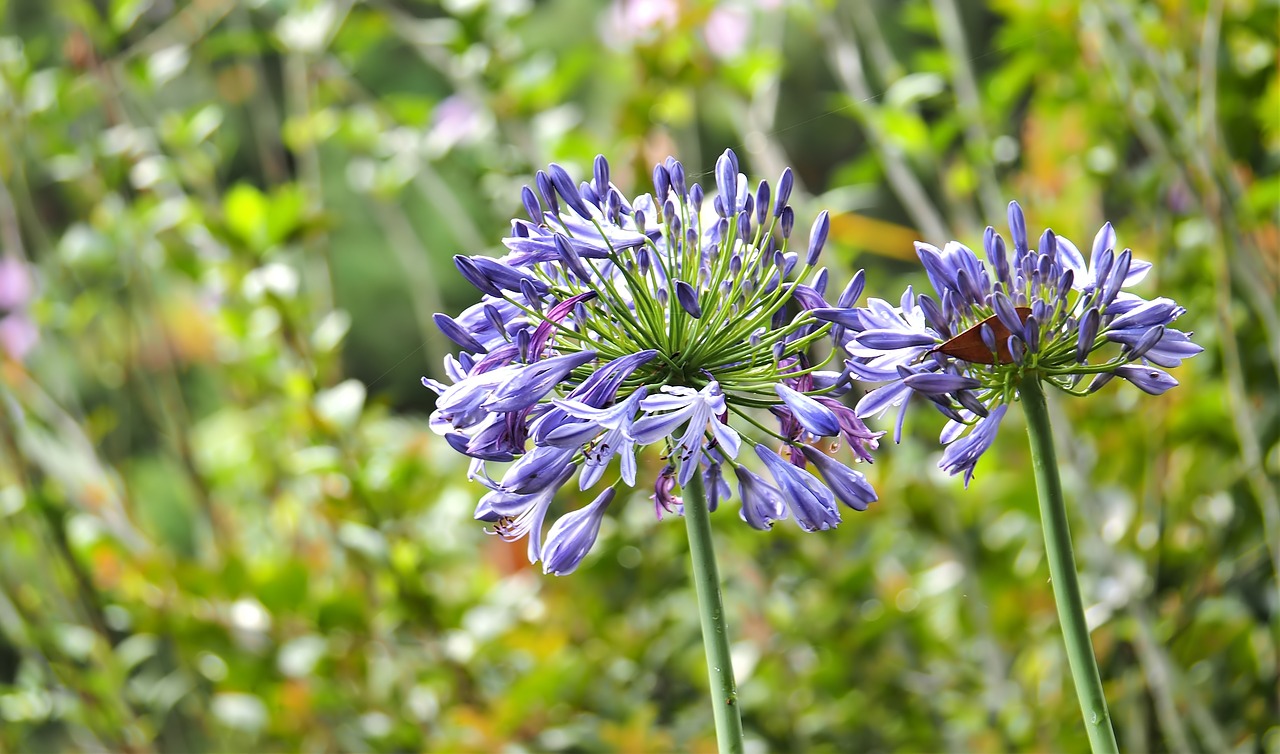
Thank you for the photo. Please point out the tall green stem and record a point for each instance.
(715, 634)
(1062, 570)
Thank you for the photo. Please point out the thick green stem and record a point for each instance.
(715, 634)
(1062, 570)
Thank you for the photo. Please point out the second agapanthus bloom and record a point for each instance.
(614, 324)
(1044, 312)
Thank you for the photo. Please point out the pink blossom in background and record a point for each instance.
(15, 283)
(454, 121)
(628, 21)
(18, 335)
(727, 30)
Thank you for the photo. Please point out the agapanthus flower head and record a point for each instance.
(679, 319)
(1045, 311)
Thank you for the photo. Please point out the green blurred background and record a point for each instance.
(225, 526)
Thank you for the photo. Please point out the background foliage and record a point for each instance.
(225, 526)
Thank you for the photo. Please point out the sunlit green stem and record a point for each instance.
(1062, 570)
(715, 635)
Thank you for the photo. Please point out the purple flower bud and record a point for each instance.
(988, 335)
(1148, 341)
(809, 499)
(1018, 230)
(1099, 380)
(588, 193)
(762, 202)
(889, 340)
(1031, 333)
(661, 184)
(1088, 332)
(531, 384)
(688, 298)
(717, 488)
(968, 288)
(547, 192)
(1155, 312)
(530, 293)
(1102, 269)
(727, 181)
(969, 400)
(473, 275)
(1115, 281)
(845, 317)
(615, 206)
(492, 314)
(569, 256)
(1049, 244)
(849, 296)
(1147, 379)
(563, 184)
(695, 199)
(786, 221)
(999, 257)
(600, 173)
(940, 384)
(505, 276)
(1015, 347)
(676, 171)
(785, 184)
(820, 281)
(455, 332)
(572, 536)
(1104, 241)
(531, 205)
(933, 315)
(761, 502)
(1065, 281)
(813, 416)
(849, 486)
(744, 225)
(1007, 313)
(818, 237)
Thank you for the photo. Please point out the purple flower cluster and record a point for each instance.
(1042, 311)
(671, 319)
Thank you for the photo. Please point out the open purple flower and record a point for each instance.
(671, 319)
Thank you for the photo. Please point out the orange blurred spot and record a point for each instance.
(106, 568)
(237, 83)
(876, 236)
(295, 698)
